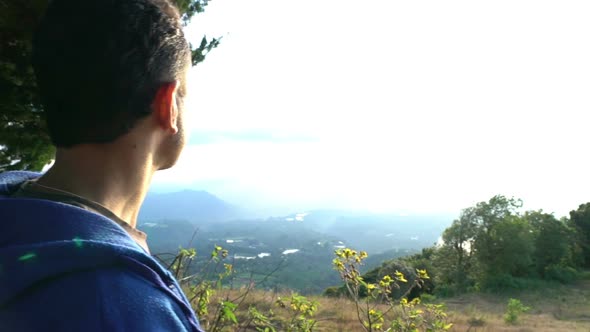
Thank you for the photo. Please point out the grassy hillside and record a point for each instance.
(491, 259)
(560, 308)
(563, 308)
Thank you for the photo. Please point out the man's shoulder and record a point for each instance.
(28, 221)
(10, 180)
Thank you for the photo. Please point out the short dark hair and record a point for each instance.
(99, 64)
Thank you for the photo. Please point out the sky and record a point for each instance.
(390, 106)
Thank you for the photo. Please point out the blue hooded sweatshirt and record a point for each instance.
(63, 268)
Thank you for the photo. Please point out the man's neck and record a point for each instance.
(114, 177)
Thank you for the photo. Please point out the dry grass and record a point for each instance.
(561, 309)
(332, 315)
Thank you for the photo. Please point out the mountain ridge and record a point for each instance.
(187, 204)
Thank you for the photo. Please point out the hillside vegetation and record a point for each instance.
(497, 269)
(559, 308)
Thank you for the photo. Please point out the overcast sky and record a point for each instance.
(404, 106)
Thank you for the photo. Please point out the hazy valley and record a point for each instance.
(298, 247)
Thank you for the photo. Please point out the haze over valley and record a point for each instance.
(300, 245)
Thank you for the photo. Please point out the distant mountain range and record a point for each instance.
(191, 205)
(372, 232)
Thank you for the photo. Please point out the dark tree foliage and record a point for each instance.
(580, 219)
(493, 246)
(500, 233)
(553, 241)
(456, 254)
(24, 143)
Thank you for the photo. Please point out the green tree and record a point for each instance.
(489, 244)
(580, 220)
(24, 144)
(554, 241)
(455, 257)
(500, 234)
(512, 243)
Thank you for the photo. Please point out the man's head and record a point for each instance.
(102, 66)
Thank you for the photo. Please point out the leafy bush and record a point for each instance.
(506, 283)
(413, 316)
(562, 274)
(301, 312)
(445, 290)
(513, 311)
(416, 317)
(333, 291)
(500, 283)
(427, 298)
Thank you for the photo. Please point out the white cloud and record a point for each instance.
(416, 105)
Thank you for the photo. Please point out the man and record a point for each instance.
(111, 74)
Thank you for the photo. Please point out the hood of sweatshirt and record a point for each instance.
(41, 240)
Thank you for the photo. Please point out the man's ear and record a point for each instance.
(165, 108)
